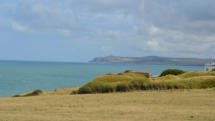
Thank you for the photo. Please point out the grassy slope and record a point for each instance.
(132, 81)
(178, 105)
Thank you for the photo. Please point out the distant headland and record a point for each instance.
(153, 60)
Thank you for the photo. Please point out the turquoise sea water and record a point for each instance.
(20, 77)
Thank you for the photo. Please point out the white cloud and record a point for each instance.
(107, 49)
(112, 35)
(172, 26)
(43, 16)
(65, 32)
(19, 27)
(154, 44)
(154, 30)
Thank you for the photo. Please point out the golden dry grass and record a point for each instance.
(178, 105)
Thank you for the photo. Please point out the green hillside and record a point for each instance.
(133, 81)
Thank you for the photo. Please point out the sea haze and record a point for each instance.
(20, 77)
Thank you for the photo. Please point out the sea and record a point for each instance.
(17, 77)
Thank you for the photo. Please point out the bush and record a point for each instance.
(84, 90)
(114, 83)
(138, 84)
(213, 70)
(172, 72)
(74, 92)
(33, 93)
(127, 71)
(122, 87)
(97, 87)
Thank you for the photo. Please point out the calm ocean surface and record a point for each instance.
(20, 77)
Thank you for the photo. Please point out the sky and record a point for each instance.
(79, 30)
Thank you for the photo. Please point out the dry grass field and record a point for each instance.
(177, 105)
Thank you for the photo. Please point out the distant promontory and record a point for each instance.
(153, 60)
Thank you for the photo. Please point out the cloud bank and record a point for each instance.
(178, 28)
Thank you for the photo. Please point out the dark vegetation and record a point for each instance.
(34, 93)
(172, 72)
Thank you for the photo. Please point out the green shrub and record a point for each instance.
(172, 72)
(97, 87)
(74, 92)
(33, 93)
(127, 71)
(84, 90)
(122, 87)
(213, 70)
(138, 84)
(106, 88)
(207, 84)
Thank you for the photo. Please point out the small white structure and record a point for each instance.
(209, 67)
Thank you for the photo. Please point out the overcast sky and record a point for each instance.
(79, 30)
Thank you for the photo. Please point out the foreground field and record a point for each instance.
(178, 105)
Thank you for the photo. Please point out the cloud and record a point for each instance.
(154, 31)
(45, 16)
(130, 27)
(193, 16)
(19, 27)
(154, 44)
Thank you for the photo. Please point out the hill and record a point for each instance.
(130, 81)
(153, 60)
